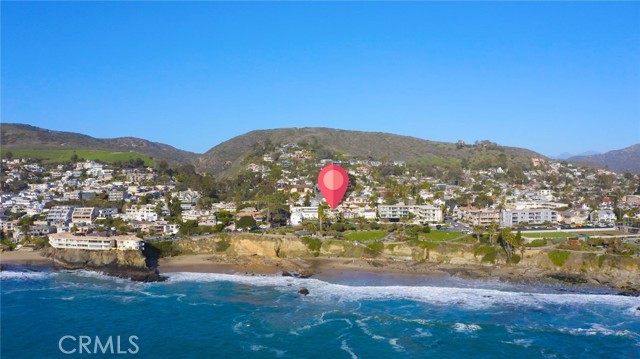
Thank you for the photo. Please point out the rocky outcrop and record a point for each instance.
(123, 264)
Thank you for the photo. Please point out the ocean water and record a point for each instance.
(194, 315)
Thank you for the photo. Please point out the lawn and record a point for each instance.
(58, 156)
(365, 236)
(569, 234)
(436, 235)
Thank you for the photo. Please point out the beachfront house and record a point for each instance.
(95, 242)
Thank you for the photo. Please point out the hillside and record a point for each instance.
(626, 159)
(376, 145)
(26, 137)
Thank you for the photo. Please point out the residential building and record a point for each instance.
(84, 215)
(116, 196)
(95, 242)
(107, 212)
(422, 213)
(511, 217)
(603, 216)
(479, 217)
(145, 212)
(299, 214)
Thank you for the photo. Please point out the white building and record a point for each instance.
(510, 218)
(423, 213)
(603, 216)
(299, 214)
(73, 241)
(95, 242)
(145, 212)
(129, 243)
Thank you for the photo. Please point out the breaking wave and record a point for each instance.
(472, 298)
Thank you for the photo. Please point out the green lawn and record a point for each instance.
(568, 234)
(436, 235)
(365, 235)
(57, 156)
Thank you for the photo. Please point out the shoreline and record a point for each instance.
(25, 258)
(339, 269)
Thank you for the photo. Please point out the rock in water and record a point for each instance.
(297, 274)
(303, 291)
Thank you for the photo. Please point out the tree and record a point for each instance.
(478, 230)
(224, 217)
(491, 230)
(176, 208)
(9, 155)
(246, 222)
(509, 241)
(188, 226)
(74, 158)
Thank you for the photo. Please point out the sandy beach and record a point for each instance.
(24, 258)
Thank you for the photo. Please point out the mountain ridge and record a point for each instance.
(21, 136)
(376, 145)
(363, 144)
(625, 159)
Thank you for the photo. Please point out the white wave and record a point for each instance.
(634, 311)
(319, 322)
(394, 344)
(474, 298)
(346, 348)
(361, 323)
(598, 329)
(466, 328)
(521, 342)
(256, 348)
(422, 333)
(16, 275)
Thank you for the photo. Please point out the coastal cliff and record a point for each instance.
(465, 259)
(130, 264)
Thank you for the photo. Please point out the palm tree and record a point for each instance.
(478, 230)
(492, 229)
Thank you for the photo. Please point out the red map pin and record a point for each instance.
(333, 181)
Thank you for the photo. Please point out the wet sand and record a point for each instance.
(24, 258)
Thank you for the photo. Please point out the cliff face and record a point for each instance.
(248, 245)
(123, 264)
(621, 271)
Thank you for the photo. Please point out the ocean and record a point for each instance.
(355, 315)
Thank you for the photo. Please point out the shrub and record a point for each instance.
(515, 259)
(488, 253)
(313, 244)
(537, 243)
(222, 245)
(558, 257)
(165, 248)
(601, 259)
(376, 247)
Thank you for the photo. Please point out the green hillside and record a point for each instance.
(22, 137)
(58, 156)
(414, 151)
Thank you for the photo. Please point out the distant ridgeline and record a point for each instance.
(274, 148)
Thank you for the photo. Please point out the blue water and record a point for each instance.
(357, 316)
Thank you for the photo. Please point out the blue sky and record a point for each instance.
(551, 77)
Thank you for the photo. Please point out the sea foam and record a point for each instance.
(472, 298)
